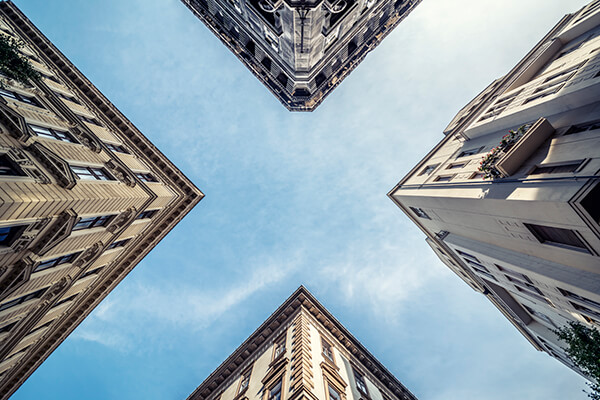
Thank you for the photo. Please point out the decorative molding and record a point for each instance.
(17, 127)
(25, 325)
(86, 139)
(122, 221)
(14, 276)
(275, 371)
(58, 231)
(58, 167)
(88, 255)
(301, 379)
(121, 173)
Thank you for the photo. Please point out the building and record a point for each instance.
(301, 352)
(84, 196)
(301, 50)
(510, 198)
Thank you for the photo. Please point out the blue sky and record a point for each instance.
(294, 199)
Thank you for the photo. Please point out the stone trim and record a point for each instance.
(58, 167)
(14, 276)
(14, 121)
(58, 231)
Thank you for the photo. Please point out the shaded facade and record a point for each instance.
(301, 352)
(510, 198)
(84, 196)
(301, 50)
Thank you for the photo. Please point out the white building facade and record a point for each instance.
(510, 198)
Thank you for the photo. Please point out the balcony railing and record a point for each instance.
(514, 148)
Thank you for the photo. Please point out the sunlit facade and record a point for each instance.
(510, 198)
(301, 50)
(301, 352)
(84, 196)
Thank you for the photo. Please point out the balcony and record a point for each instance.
(514, 149)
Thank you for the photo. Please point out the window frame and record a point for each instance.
(362, 386)
(55, 262)
(327, 351)
(52, 133)
(100, 221)
(93, 173)
(540, 236)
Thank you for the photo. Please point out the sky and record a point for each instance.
(291, 199)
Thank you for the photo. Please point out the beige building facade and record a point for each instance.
(510, 198)
(301, 352)
(84, 196)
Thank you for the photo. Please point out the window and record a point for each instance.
(245, 380)
(499, 106)
(419, 212)
(8, 167)
(429, 169)
(539, 315)
(465, 254)
(470, 152)
(92, 121)
(92, 222)
(145, 177)
(146, 214)
(557, 237)
(279, 347)
(67, 259)
(8, 327)
(456, 165)
(578, 307)
(477, 175)
(50, 133)
(91, 173)
(513, 273)
(361, 385)
(65, 300)
(275, 391)
(90, 272)
(120, 243)
(53, 78)
(20, 97)
(63, 96)
(443, 178)
(579, 298)
(590, 126)
(591, 203)
(553, 84)
(9, 234)
(480, 269)
(20, 300)
(524, 285)
(531, 294)
(333, 394)
(327, 350)
(117, 148)
(556, 168)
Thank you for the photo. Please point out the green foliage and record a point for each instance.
(13, 64)
(584, 350)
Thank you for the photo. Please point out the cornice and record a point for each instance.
(301, 299)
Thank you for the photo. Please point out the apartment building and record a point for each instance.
(510, 198)
(301, 50)
(84, 196)
(301, 352)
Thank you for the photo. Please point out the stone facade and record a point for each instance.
(84, 196)
(301, 50)
(301, 352)
(516, 214)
